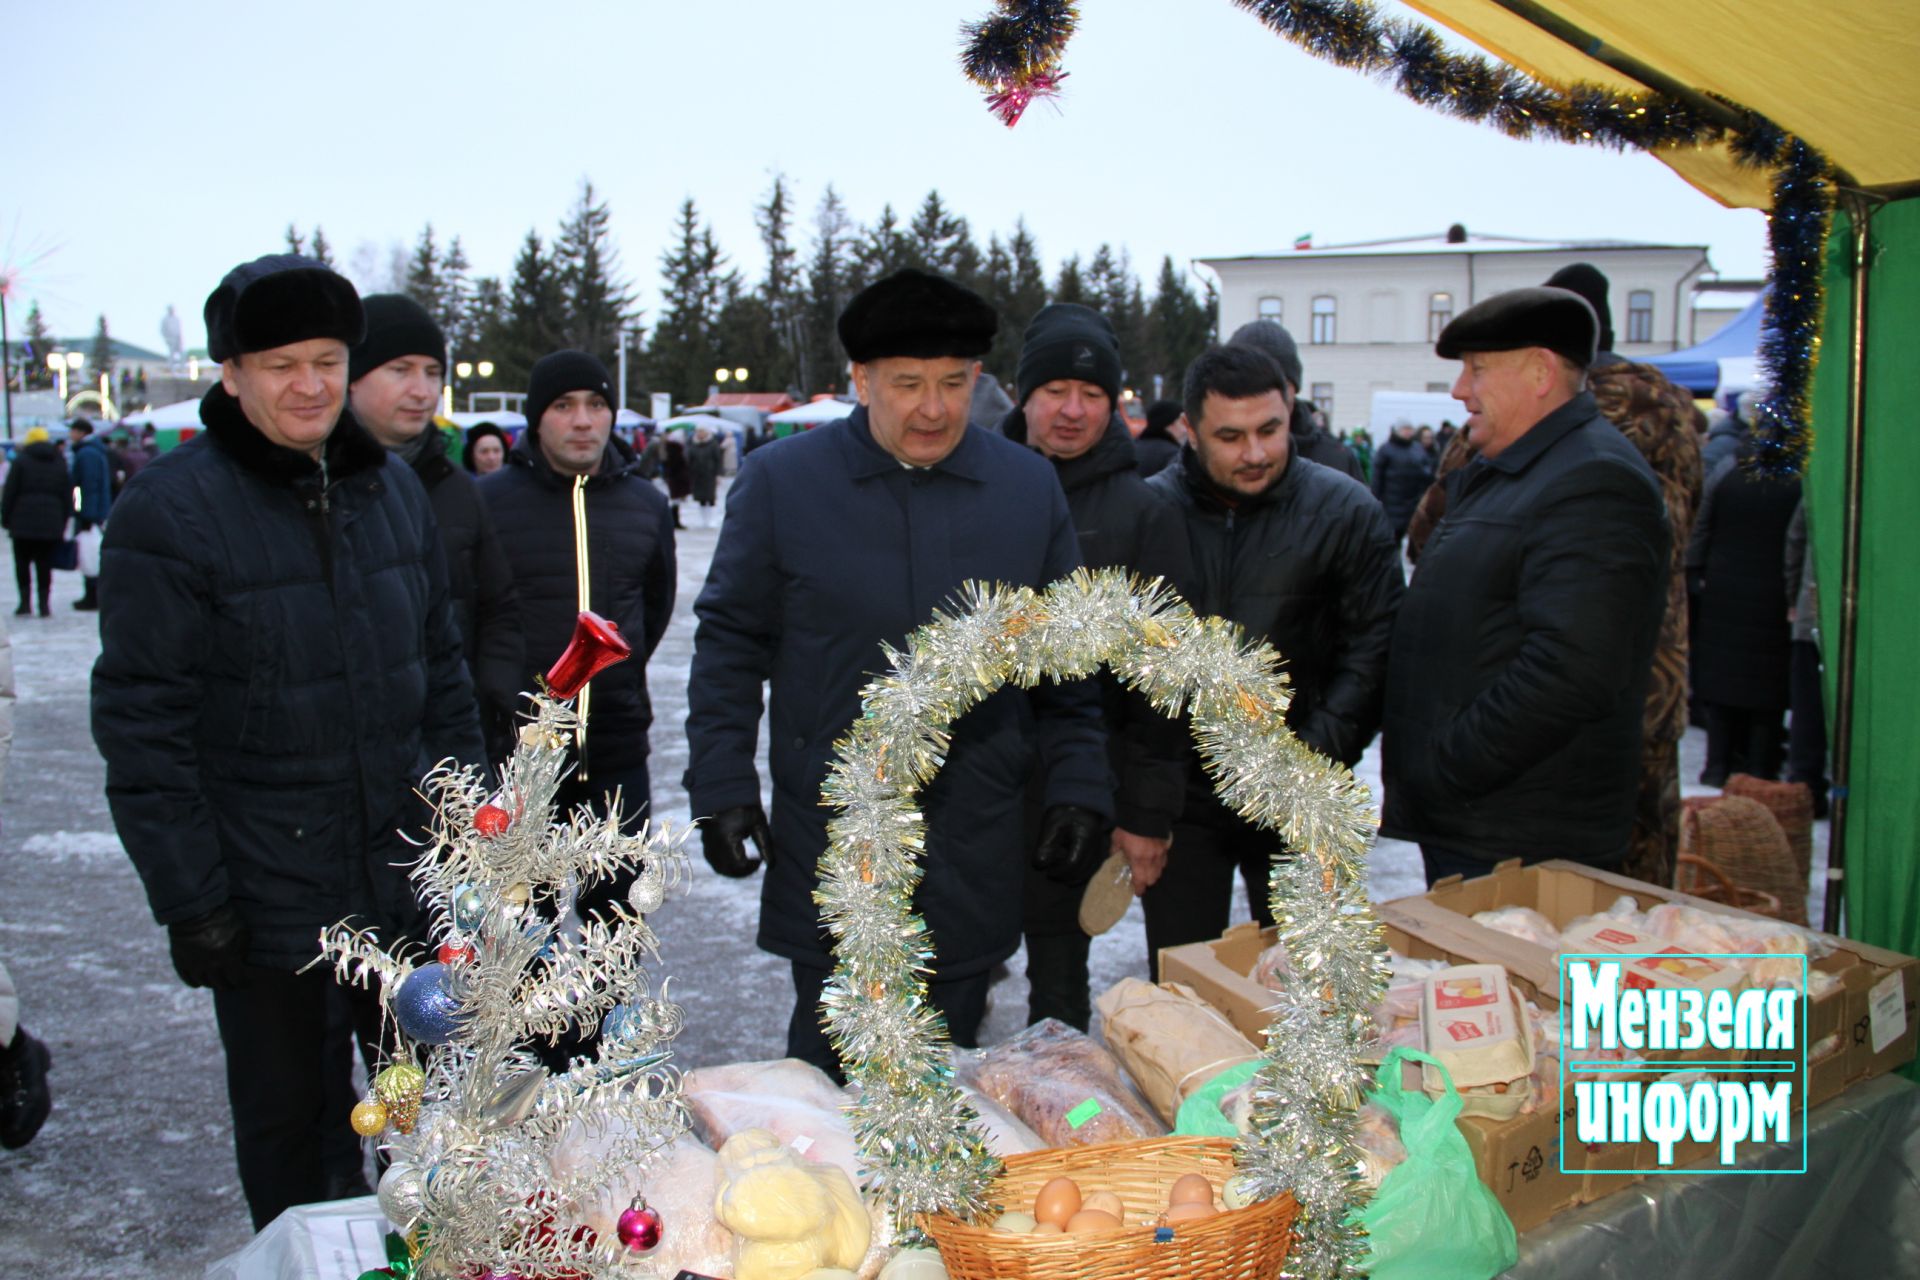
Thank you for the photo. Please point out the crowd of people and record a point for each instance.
(315, 600)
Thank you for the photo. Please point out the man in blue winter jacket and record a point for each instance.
(848, 537)
(92, 468)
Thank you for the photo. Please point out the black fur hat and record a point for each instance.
(280, 299)
(918, 314)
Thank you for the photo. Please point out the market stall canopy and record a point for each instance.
(1698, 368)
(1838, 73)
(628, 419)
(812, 414)
(692, 422)
(182, 413)
(505, 419)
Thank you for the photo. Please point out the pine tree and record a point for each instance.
(599, 303)
(744, 338)
(1178, 328)
(536, 314)
(1071, 285)
(101, 361)
(295, 244)
(319, 250)
(829, 286)
(681, 357)
(940, 240)
(456, 299)
(883, 250)
(780, 292)
(486, 322)
(39, 345)
(424, 284)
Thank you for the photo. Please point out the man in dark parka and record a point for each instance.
(1300, 556)
(1069, 385)
(394, 378)
(1518, 679)
(847, 537)
(279, 665)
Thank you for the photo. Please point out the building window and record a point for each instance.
(1325, 311)
(1439, 388)
(1270, 309)
(1439, 314)
(1323, 400)
(1640, 316)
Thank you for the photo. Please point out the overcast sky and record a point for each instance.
(156, 146)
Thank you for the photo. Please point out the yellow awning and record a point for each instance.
(1840, 74)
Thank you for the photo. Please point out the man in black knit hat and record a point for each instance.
(850, 536)
(394, 378)
(279, 665)
(1069, 391)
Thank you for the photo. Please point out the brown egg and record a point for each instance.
(1190, 1211)
(1105, 1202)
(1049, 1229)
(1088, 1220)
(1191, 1188)
(1057, 1201)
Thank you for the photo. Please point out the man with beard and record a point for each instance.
(1300, 556)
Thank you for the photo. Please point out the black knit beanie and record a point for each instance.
(1272, 337)
(396, 326)
(1590, 283)
(1066, 340)
(557, 374)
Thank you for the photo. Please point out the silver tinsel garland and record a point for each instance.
(921, 1144)
(475, 1185)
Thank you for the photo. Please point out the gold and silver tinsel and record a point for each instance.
(921, 1144)
(474, 1125)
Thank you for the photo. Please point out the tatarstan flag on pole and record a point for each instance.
(1303, 242)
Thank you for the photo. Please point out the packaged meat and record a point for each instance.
(791, 1099)
(1006, 1134)
(1648, 960)
(1063, 1084)
(1523, 923)
(1169, 1040)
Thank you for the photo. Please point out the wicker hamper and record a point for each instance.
(1237, 1244)
(1791, 804)
(1742, 838)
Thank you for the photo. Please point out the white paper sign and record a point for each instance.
(345, 1248)
(1887, 1008)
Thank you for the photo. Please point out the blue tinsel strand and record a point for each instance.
(1797, 237)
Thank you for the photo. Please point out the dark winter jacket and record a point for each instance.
(1153, 453)
(1310, 440)
(1741, 654)
(830, 549)
(1724, 439)
(480, 584)
(1402, 470)
(1121, 524)
(92, 467)
(1309, 566)
(674, 469)
(1520, 661)
(279, 666)
(37, 501)
(703, 470)
(630, 558)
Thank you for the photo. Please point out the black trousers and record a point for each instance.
(1742, 740)
(290, 1095)
(1057, 951)
(1192, 899)
(961, 1001)
(33, 566)
(1807, 731)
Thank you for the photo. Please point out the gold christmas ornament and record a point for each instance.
(369, 1117)
(399, 1087)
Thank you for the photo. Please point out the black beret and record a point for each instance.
(280, 299)
(916, 314)
(1558, 319)
(396, 326)
(1271, 337)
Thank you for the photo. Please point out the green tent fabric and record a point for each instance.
(1883, 822)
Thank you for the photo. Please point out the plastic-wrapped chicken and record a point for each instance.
(1523, 923)
(794, 1100)
(1063, 1084)
(1378, 1136)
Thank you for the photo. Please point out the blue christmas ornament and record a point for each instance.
(425, 1008)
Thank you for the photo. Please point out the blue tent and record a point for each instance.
(1698, 367)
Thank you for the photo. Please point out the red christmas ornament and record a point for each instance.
(491, 820)
(451, 954)
(596, 645)
(640, 1227)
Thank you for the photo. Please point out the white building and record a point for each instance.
(1366, 315)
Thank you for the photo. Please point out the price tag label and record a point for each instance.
(1082, 1113)
(1887, 1010)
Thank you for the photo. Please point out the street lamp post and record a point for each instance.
(737, 375)
(464, 369)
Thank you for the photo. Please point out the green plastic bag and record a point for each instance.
(1200, 1115)
(1432, 1218)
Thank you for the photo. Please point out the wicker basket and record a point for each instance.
(1701, 879)
(1741, 838)
(1238, 1244)
(1791, 804)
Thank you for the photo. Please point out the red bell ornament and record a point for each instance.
(596, 645)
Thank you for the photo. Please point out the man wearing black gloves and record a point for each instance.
(393, 384)
(1069, 388)
(1300, 556)
(279, 665)
(842, 539)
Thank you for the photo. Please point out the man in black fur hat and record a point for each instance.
(851, 535)
(279, 665)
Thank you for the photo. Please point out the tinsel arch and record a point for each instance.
(1015, 56)
(922, 1145)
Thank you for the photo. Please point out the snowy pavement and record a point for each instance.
(133, 1176)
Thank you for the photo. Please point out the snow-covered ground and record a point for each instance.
(133, 1177)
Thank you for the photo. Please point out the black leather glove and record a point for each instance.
(211, 950)
(724, 836)
(1073, 844)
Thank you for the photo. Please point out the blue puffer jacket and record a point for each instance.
(93, 478)
(279, 665)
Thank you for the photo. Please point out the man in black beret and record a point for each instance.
(847, 537)
(1518, 673)
(279, 665)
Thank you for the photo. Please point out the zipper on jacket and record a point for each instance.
(583, 590)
